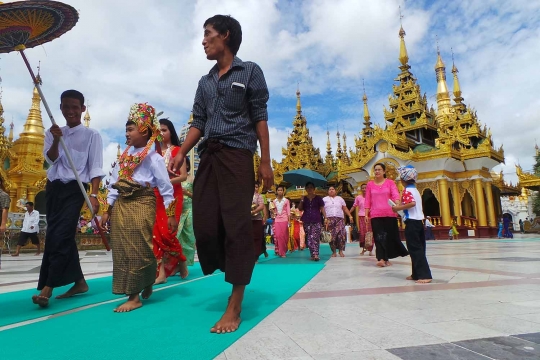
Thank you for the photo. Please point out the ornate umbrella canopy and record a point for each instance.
(25, 24)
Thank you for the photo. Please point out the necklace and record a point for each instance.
(128, 163)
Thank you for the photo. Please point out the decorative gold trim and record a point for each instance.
(171, 209)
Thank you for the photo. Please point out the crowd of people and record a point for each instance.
(158, 213)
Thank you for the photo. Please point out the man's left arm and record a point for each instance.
(95, 169)
(258, 96)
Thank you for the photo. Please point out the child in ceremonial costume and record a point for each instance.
(132, 208)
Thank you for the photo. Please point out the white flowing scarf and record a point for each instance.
(279, 205)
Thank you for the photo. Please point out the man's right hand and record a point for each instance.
(176, 163)
(103, 222)
(2, 228)
(56, 132)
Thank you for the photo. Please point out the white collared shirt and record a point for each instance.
(31, 219)
(151, 171)
(86, 149)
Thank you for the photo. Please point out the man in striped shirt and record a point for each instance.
(230, 113)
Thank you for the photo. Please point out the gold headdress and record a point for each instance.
(146, 119)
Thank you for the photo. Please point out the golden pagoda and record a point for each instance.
(451, 151)
(300, 152)
(527, 180)
(26, 170)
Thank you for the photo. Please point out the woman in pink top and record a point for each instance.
(363, 225)
(388, 245)
(281, 213)
(335, 207)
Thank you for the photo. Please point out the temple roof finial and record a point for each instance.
(457, 86)
(87, 115)
(403, 55)
(298, 103)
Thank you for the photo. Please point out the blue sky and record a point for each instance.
(128, 51)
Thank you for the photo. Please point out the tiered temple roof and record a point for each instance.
(300, 152)
(414, 132)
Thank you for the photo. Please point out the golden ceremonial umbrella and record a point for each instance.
(25, 24)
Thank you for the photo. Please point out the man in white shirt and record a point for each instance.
(60, 265)
(29, 229)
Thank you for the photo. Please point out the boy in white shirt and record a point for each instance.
(132, 208)
(411, 204)
(29, 229)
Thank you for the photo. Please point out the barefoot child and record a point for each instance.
(132, 208)
(411, 204)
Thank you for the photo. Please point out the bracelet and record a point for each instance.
(93, 195)
(171, 209)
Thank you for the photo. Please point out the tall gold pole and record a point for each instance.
(444, 202)
(457, 201)
(480, 202)
(492, 221)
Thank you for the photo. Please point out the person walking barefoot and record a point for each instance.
(230, 112)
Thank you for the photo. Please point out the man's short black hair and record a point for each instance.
(72, 94)
(224, 23)
(30, 203)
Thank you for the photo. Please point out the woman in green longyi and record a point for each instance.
(185, 234)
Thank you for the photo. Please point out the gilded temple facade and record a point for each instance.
(23, 173)
(452, 152)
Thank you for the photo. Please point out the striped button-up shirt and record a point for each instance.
(226, 108)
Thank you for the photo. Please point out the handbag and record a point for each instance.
(369, 239)
(326, 236)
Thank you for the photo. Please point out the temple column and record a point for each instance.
(480, 202)
(457, 201)
(444, 203)
(492, 218)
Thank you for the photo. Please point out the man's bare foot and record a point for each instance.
(184, 272)
(80, 287)
(37, 254)
(283, 256)
(333, 254)
(147, 292)
(388, 263)
(14, 255)
(363, 251)
(423, 281)
(40, 300)
(230, 321)
(370, 253)
(134, 302)
(341, 253)
(381, 263)
(409, 278)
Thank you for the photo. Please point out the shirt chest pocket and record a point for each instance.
(234, 98)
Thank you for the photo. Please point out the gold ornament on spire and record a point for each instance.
(298, 103)
(87, 116)
(443, 98)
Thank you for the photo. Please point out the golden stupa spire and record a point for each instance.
(403, 56)
(298, 103)
(118, 152)
(367, 117)
(10, 136)
(339, 153)
(34, 124)
(457, 87)
(190, 120)
(87, 116)
(443, 99)
(328, 144)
